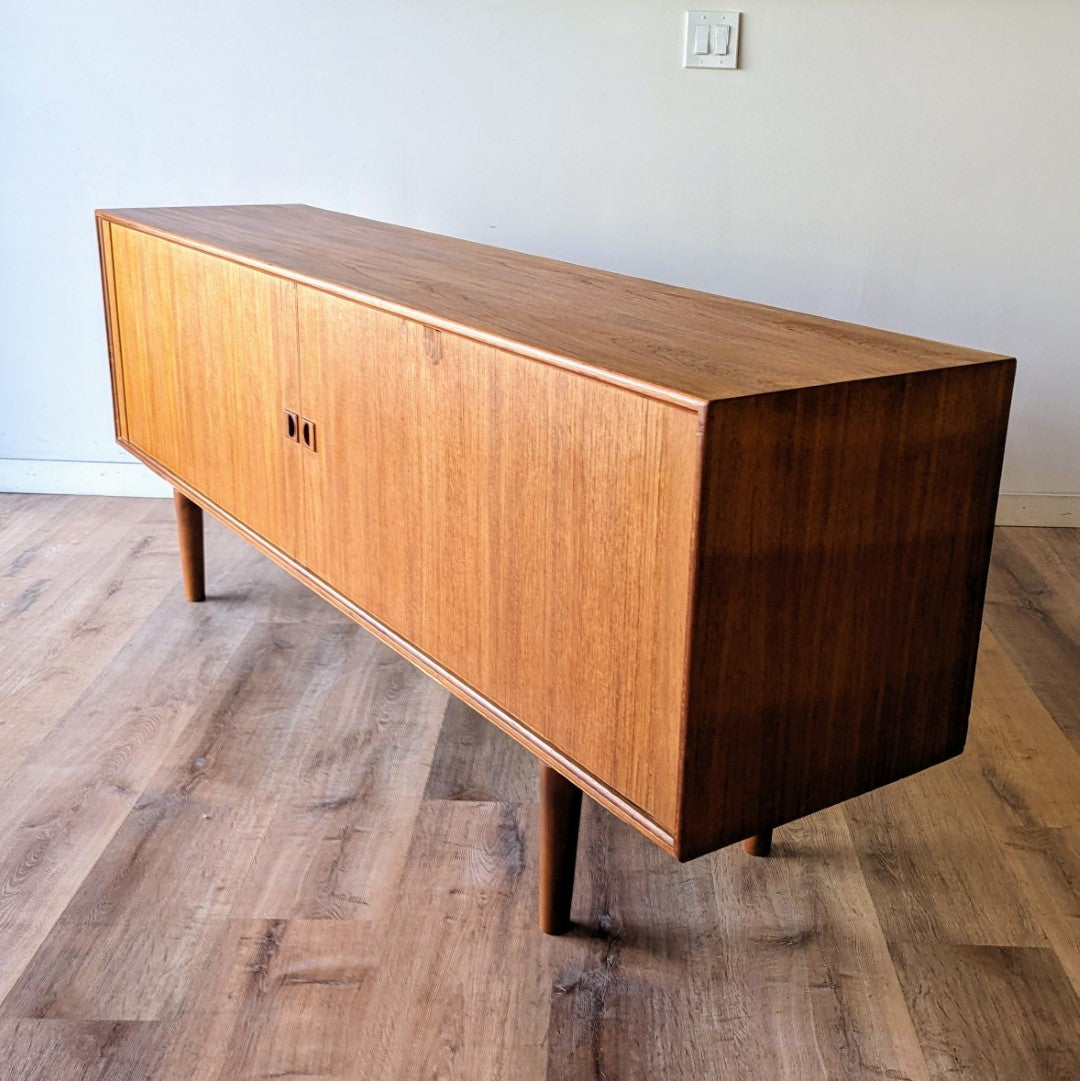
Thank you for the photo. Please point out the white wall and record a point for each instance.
(910, 164)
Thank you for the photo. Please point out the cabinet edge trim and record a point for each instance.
(112, 326)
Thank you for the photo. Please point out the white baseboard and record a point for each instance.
(1042, 509)
(133, 478)
(80, 478)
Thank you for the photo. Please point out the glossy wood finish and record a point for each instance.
(560, 815)
(872, 504)
(685, 346)
(201, 883)
(189, 528)
(717, 564)
(846, 532)
(544, 750)
(527, 527)
(207, 352)
(112, 330)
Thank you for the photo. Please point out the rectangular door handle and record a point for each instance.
(292, 426)
(307, 433)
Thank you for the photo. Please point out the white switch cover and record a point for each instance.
(721, 30)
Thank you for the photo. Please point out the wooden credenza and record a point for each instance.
(718, 565)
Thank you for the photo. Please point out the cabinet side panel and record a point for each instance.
(209, 366)
(116, 377)
(846, 536)
(525, 526)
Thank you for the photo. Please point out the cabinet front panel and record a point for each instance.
(527, 527)
(208, 361)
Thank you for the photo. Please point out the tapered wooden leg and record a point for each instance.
(189, 525)
(560, 815)
(760, 844)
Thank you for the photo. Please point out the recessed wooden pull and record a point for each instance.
(292, 426)
(307, 433)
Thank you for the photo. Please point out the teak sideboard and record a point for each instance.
(718, 565)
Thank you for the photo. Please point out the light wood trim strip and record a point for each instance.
(696, 528)
(592, 787)
(638, 386)
(112, 328)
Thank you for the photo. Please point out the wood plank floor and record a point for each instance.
(244, 840)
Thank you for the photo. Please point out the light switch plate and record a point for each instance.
(711, 59)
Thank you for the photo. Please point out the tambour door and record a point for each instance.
(208, 362)
(526, 526)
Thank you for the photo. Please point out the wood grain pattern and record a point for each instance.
(528, 528)
(83, 1050)
(51, 834)
(79, 590)
(1046, 864)
(471, 873)
(134, 910)
(1030, 769)
(846, 536)
(923, 931)
(371, 749)
(542, 748)
(1036, 599)
(112, 329)
(16, 527)
(719, 565)
(1019, 995)
(472, 765)
(560, 815)
(951, 890)
(683, 345)
(765, 968)
(207, 351)
(260, 977)
(189, 528)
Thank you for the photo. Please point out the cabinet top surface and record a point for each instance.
(684, 344)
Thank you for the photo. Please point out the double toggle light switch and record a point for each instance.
(712, 39)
